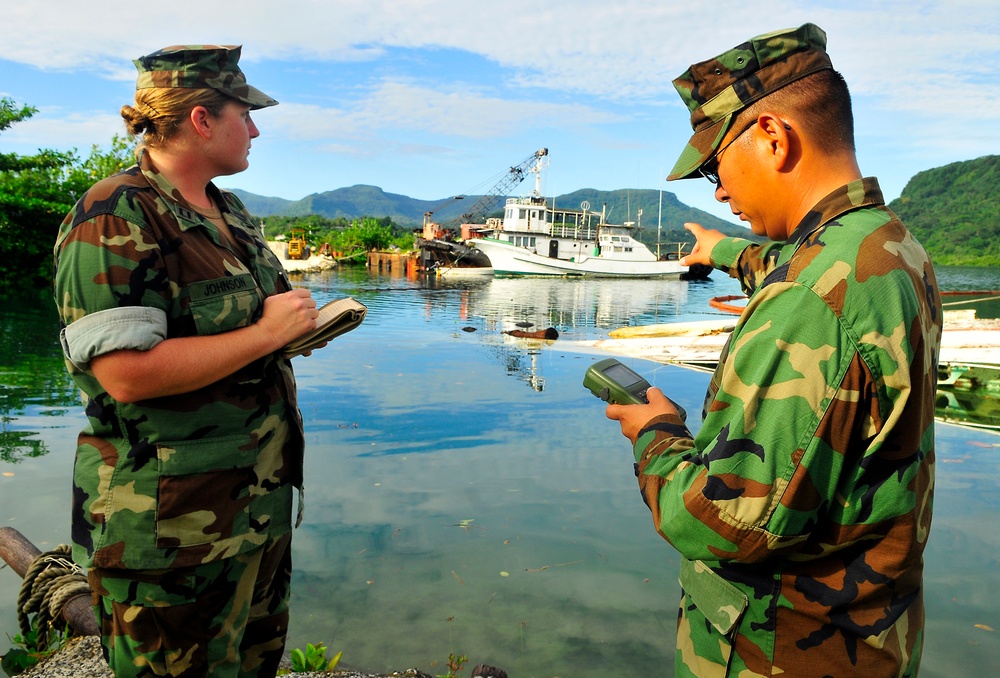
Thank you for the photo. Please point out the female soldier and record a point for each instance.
(174, 313)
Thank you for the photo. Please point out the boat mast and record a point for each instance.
(659, 219)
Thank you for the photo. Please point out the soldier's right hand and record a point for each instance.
(289, 315)
(706, 240)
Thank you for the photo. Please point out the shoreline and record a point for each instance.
(315, 262)
(81, 657)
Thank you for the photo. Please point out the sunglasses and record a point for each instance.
(710, 168)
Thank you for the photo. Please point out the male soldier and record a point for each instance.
(175, 314)
(802, 507)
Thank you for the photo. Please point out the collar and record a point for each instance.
(185, 213)
(855, 195)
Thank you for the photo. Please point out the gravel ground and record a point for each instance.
(82, 658)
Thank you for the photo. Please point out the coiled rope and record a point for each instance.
(51, 581)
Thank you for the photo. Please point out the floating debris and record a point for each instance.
(549, 333)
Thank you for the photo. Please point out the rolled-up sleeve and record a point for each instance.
(131, 327)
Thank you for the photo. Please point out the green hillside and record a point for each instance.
(624, 205)
(954, 211)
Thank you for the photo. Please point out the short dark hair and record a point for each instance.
(820, 102)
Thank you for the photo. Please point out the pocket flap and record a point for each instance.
(722, 603)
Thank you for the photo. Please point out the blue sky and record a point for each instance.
(435, 98)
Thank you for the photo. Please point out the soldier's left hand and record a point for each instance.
(634, 418)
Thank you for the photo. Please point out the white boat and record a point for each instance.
(534, 238)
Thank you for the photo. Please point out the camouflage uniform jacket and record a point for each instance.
(802, 507)
(178, 480)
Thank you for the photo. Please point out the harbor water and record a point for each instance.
(465, 494)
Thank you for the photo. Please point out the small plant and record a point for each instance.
(26, 651)
(313, 660)
(455, 664)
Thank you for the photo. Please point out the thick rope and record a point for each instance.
(51, 581)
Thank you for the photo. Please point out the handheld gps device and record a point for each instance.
(615, 383)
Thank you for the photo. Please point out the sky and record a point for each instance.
(437, 98)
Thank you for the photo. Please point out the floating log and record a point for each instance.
(549, 333)
(19, 553)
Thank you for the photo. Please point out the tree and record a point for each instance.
(36, 192)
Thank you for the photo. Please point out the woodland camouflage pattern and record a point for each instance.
(180, 480)
(717, 89)
(197, 616)
(199, 67)
(802, 508)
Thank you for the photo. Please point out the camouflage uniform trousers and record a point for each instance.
(224, 618)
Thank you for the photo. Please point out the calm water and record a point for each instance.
(466, 495)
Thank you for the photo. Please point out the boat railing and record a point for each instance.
(573, 231)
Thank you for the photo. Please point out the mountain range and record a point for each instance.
(954, 210)
(642, 206)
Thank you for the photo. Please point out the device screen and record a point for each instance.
(623, 375)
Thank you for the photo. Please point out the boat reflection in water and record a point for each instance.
(506, 310)
(969, 395)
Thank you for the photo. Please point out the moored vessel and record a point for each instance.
(536, 238)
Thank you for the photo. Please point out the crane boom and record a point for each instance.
(477, 213)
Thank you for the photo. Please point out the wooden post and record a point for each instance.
(19, 553)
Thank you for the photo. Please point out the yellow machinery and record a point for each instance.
(297, 248)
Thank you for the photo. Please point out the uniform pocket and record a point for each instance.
(224, 304)
(722, 603)
(710, 619)
(203, 491)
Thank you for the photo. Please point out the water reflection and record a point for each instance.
(34, 386)
(465, 494)
(969, 395)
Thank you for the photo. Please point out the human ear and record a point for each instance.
(201, 121)
(779, 139)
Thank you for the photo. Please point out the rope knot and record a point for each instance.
(51, 581)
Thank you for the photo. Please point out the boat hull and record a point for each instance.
(437, 254)
(509, 259)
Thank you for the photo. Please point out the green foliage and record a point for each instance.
(455, 664)
(343, 236)
(26, 651)
(954, 211)
(36, 192)
(313, 659)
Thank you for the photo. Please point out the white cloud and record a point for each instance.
(593, 73)
(399, 107)
(49, 128)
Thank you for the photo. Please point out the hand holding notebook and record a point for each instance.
(335, 318)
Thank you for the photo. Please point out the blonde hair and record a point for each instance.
(159, 111)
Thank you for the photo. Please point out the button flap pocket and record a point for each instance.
(722, 603)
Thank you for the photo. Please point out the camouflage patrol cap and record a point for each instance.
(200, 67)
(717, 89)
